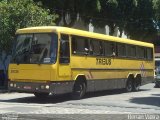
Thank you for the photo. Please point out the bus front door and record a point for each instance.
(64, 58)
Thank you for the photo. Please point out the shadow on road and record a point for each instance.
(57, 98)
(153, 100)
(50, 99)
(62, 98)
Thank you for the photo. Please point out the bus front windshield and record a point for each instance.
(39, 48)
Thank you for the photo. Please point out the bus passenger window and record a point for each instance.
(74, 46)
(101, 47)
(149, 54)
(86, 48)
(91, 47)
(110, 49)
(121, 50)
(131, 51)
(79, 45)
(141, 52)
(96, 47)
(64, 49)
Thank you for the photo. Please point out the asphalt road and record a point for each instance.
(108, 105)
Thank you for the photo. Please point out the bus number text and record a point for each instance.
(103, 61)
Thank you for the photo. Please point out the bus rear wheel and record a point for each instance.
(137, 84)
(129, 85)
(79, 90)
(41, 95)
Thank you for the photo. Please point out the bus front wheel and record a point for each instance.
(79, 90)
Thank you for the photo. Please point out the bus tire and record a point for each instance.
(41, 95)
(137, 83)
(79, 90)
(129, 85)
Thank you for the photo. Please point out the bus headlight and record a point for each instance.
(47, 86)
(11, 84)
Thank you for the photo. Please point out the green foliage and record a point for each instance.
(135, 17)
(15, 14)
(156, 6)
(85, 8)
(141, 25)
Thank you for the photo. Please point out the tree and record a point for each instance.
(135, 17)
(124, 13)
(156, 7)
(15, 14)
(141, 24)
(71, 8)
(106, 15)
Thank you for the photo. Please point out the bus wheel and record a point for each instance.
(129, 85)
(137, 84)
(79, 90)
(41, 95)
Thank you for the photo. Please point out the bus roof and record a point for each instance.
(73, 31)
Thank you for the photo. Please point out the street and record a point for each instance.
(146, 101)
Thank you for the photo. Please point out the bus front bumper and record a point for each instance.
(28, 87)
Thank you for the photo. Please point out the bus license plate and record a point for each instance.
(28, 87)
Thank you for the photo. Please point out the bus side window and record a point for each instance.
(131, 51)
(64, 49)
(101, 47)
(149, 53)
(110, 49)
(140, 52)
(79, 45)
(121, 49)
(91, 47)
(74, 45)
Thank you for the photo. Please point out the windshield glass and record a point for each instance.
(35, 48)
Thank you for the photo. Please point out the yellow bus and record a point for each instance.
(57, 60)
